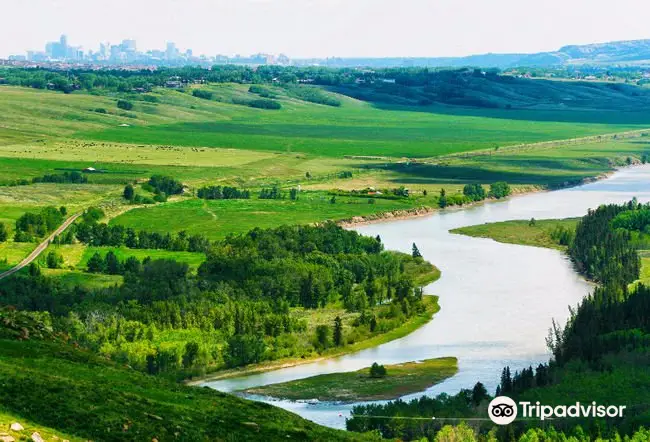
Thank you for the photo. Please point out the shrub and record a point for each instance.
(124, 104)
(54, 260)
(200, 93)
(377, 371)
(265, 104)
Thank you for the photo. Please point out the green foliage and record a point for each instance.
(31, 225)
(475, 192)
(92, 214)
(124, 104)
(54, 260)
(92, 398)
(200, 93)
(337, 335)
(4, 233)
(265, 104)
(66, 177)
(165, 185)
(602, 253)
(129, 192)
(499, 190)
(273, 193)
(313, 95)
(219, 192)
(415, 252)
(377, 370)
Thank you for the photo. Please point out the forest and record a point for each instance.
(243, 305)
(601, 353)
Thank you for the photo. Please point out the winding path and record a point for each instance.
(42, 246)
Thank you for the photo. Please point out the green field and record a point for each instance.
(218, 218)
(524, 232)
(400, 380)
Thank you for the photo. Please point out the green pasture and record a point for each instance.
(218, 218)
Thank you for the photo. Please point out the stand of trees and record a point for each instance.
(222, 193)
(36, 225)
(66, 177)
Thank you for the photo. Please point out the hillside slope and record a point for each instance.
(75, 392)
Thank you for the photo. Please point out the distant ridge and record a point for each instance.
(630, 52)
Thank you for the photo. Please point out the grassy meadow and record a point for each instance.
(220, 142)
(400, 380)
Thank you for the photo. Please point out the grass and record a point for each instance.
(50, 385)
(218, 218)
(521, 231)
(11, 253)
(75, 278)
(400, 380)
(48, 434)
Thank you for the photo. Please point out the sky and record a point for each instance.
(324, 28)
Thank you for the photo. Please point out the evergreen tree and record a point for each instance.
(4, 234)
(416, 253)
(96, 264)
(112, 264)
(338, 331)
(129, 192)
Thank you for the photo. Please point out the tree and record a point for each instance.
(293, 194)
(416, 253)
(129, 192)
(500, 189)
(377, 371)
(479, 394)
(124, 104)
(333, 199)
(4, 234)
(113, 266)
(53, 260)
(96, 263)
(338, 331)
(191, 354)
(474, 192)
(323, 334)
(442, 201)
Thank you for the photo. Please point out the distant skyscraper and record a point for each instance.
(128, 45)
(171, 52)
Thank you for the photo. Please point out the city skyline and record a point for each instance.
(326, 28)
(126, 53)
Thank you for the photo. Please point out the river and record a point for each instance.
(497, 300)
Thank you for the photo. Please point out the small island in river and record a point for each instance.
(370, 383)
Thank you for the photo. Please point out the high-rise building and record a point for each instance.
(128, 46)
(171, 52)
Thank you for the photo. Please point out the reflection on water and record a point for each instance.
(497, 300)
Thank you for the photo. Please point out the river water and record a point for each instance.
(497, 300)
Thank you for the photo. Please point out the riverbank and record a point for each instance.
(355, 386)
(423, 211)
(412, 324)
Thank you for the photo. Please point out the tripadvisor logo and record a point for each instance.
(503, 410)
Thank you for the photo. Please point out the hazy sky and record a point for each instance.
(320, 28)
